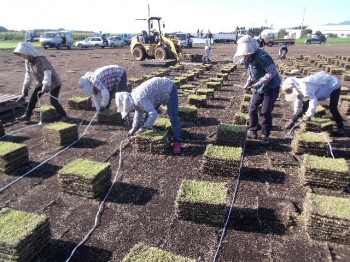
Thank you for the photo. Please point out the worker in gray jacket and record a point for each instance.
(147, 98)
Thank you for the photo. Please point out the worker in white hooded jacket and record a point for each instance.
(40, 69)
(317, 87)
(103, 84)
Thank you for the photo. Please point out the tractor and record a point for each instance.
(153, 44)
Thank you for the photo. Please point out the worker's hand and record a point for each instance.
(102, 109)
(40, 93)
(131, 132)
(45, 89)
(256, 85)
(248, 84)
(306, 118)
(25, 93)
(141, 130)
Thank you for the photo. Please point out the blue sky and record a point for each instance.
(116, 16)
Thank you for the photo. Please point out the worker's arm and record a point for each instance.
(312, 106)
(26, 83)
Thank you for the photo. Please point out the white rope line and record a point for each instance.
(18, 130)
(234, 196)
(48, 159)
(288, 135)
(101, 206)
(329, 143)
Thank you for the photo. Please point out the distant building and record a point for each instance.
(341, 30)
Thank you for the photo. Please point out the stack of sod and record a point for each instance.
(247, 97)
(328, 218)
(231, 135)
(215, 85)
(190, 76)
(61, 133)
(221, 160)
(217, 79)
(85, 178)
(325, 172)
(162, 124)
(320, 111)
(202, 202)
(222, 75)
(317, 125)
(241, 118)
(244, 107)
(345, 107)
(13, 157)
(154, 142)
(109, 117)
(80, 103)
(311, 143)
(208, 92)
(197, 100)
(45, 114)
(188, 113)
(23, 236)
(142, 252)
(2, 129)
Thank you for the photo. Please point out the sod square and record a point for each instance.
(244, 106)
(318, 125)
(80, 103)
(208, 92)
(320, 111)
(154, 142)
(109, 117)
(141, 252)
(311, 143)
(231, 135)
(13, 156)
(22, 235)
(217, 79)
(197, 100)
(241, 118)
(325, 172)
(45, 114)
(221, 160)
(328, 218)
(202, 202)
(85, 178)
(188, 113)
(215, 85)
(162, 124)
(61, 133)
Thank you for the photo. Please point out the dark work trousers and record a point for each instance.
(267, 100)
(333, 108)
(54, 102)
(121, 87)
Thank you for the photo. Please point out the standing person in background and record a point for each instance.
(207, 50)
(316, 87)
(148, 97)
(39, 68)
(198, 35)
(264, 80)
(261, 42)
(104, 83)
(202, 33)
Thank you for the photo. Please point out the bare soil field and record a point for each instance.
(141, 206)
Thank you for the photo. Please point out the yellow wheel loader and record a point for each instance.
(152, 44)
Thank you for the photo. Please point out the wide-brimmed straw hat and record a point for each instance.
(247, 45)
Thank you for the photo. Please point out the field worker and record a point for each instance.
(282, 52)
(207, 49)
(316, 87)
(263, 78)
(39, 68)
(148, 97)
(104, 83)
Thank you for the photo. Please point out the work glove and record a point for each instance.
(25, 93)
(141, 130)
(45, 89)
(102, 109)
(256, 85)
(131, 132)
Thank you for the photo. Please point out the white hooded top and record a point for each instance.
(317, 87)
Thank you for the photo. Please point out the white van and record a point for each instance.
(56, 39)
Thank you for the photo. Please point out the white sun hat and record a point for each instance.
(26, 48)
(85, 84)
(124, 103)
(247, 45)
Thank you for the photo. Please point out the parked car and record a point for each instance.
(91, 42)
(56, 39)
(115, 41)
(186, 39)
(316, 39)
(127, 38)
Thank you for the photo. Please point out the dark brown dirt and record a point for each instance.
(141, 205)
